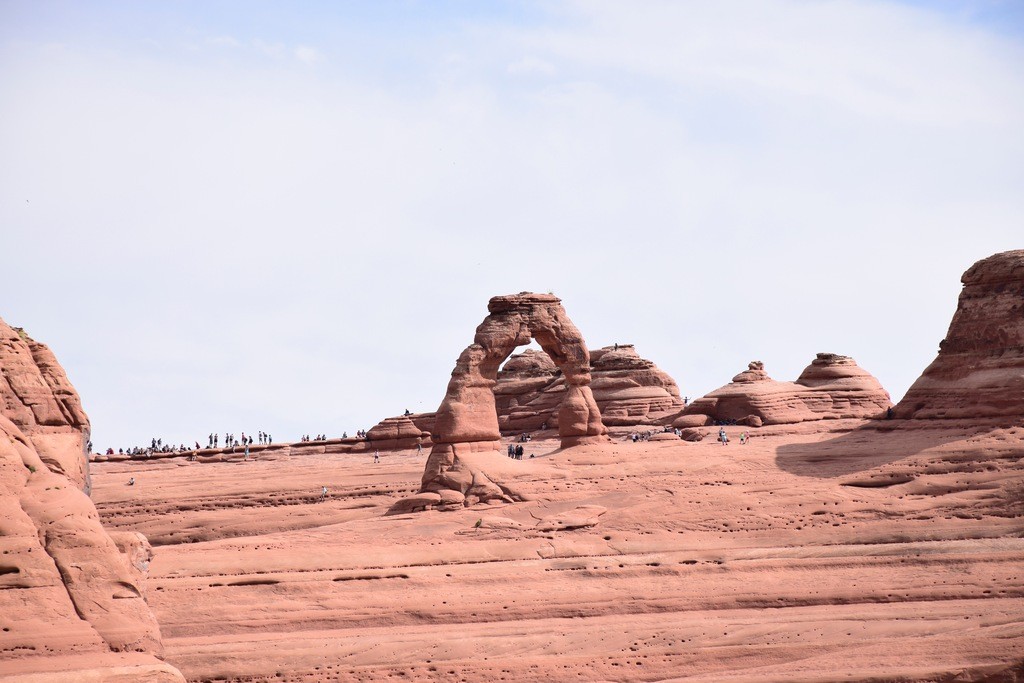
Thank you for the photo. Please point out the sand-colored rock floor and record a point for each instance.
(845, 555)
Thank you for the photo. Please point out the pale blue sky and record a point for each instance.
(242, 216)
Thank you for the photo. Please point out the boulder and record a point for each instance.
(80, 592)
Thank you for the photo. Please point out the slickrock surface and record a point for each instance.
(849, 554)
(465, 466)
(979, 372)
(831, 387)
(71, 605)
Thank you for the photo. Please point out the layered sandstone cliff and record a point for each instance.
(66, 590)
(37, 397)
(979, 371)
(630, 391)
(831, 387)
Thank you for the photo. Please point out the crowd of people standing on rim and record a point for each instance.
(319, 437)
(230, 441)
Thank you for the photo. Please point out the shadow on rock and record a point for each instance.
(875, 444)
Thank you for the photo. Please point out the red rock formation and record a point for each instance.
(395, 433)
(979, 371)
(467, 421)
(79, 593)
(35, 395)
(630, 391)
(831, 387)
(528, 392)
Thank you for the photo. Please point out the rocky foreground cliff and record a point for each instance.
(72, 603)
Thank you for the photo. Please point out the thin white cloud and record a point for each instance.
(275, 50)
(306, 55)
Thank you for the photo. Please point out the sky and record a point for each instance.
(289, 217)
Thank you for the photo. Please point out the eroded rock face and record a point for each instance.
(979, 371)
(396, 433)
(629, 390)
(467, 420)
(831, 387)
(35, 395)
(77, 591)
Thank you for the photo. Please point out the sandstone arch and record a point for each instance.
(467, 421)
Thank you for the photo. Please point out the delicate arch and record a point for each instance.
(467, 420)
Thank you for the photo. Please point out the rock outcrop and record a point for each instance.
(67, 589)
(396, 433)
(466, 433)
(831, 387)
(35, 395)
(630, 391)
(979, 371)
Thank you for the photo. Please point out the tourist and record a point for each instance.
(376, 456)
(722, 437)
(743, 438)
(323, 493)
(131, 482)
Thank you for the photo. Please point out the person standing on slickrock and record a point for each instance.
(722, 437)
(376, 456)
(323, 493)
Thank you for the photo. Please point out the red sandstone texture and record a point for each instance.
(831, 387)
(464, 466)
(834, 551)
(71, 602)
(630, 391)
(37, 397)
(979, 372)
